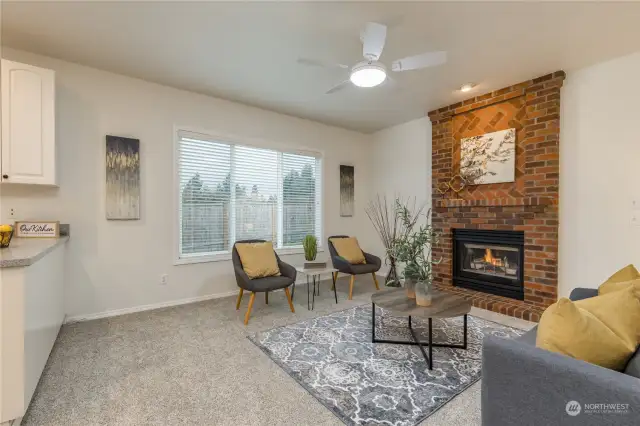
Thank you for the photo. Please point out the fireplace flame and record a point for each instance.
(488, 257)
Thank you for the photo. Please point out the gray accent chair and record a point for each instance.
(261, 285)
(526, 385)
(342, 265)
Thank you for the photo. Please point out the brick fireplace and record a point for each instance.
(528, 205)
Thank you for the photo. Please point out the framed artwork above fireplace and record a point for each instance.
(488, 158)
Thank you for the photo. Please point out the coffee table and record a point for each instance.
(443, 305)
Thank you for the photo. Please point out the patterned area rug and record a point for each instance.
(363, 383)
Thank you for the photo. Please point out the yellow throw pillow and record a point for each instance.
(603, 330)
(620, 280)
(258, 259)
(349, 249)
(607, 288)
(618, 310)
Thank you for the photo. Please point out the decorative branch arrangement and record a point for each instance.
(413, 247)
(390, 228)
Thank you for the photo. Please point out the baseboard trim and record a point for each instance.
(150, 307)
(14, 422)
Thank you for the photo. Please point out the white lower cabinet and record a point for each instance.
(31, 314)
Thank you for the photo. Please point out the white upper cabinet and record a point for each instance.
(28, 124)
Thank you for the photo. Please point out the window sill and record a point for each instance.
(222, 257)
(202, 259)
(286, 251)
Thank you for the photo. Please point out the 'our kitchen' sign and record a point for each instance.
(37, 229)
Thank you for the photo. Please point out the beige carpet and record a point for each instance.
(192, 364)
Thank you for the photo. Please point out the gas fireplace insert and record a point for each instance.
(489, 261)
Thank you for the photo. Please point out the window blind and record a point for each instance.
(301, 191)
(204, 176)
(231, 192)
(255, 172)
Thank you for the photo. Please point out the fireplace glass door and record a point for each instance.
(497, 261)
(491, 261)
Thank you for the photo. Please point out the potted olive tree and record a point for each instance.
(413, 249)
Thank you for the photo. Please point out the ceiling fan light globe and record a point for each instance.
(368, 76)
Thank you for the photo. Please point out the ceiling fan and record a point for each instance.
(371, 72)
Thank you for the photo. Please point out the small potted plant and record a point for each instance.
(413, 248)
(310, 245)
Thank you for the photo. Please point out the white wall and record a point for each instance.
(600, 172)
(402, 160)
(117, 264)
(401, 165)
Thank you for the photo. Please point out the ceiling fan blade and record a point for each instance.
(373, 38)
(315, 63)
(424, 60)
(338, 87)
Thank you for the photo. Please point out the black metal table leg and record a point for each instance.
(373, 322)
(308, 301)
(313, 300)
(335, 291)
(424, 354)
(465, 332)
(430, 345)
(416, 341)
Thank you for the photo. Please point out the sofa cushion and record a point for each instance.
(620, 280)
(258, 259)
(529, 338)
(580, 293)
(603, 330)
(633, 366)
(349, 249)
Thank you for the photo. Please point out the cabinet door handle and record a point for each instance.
(5, 176)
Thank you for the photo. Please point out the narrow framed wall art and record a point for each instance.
(123, 178)
(347, 182)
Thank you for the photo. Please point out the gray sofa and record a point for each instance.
(525, 385)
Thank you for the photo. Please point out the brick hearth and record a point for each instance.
(491, 302)
(529, 204)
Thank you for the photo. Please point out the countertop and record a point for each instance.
(27, 251)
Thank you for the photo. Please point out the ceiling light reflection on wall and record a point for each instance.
(467, 87)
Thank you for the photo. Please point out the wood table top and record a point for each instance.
(443, 304)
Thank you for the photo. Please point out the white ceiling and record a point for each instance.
(247, 52)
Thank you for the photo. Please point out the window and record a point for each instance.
(230, 192)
